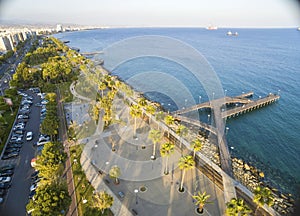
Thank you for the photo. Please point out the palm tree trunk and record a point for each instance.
(194, 154)
(167, 169)
(256, 210)
(154, 148)
(181, 184)
(134, 127)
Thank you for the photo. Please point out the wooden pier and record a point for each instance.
(253, 105)
(242, 99)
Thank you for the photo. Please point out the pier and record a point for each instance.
(253, 105)
(242, 99)
(242, 105)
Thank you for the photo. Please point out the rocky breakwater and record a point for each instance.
(251, 177)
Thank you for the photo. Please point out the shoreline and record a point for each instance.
(246, 174)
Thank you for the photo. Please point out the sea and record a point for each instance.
(260, 60)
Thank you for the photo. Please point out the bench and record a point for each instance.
(134, 211)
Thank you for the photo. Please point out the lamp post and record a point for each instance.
(213, 96)
(169, 107)
(225, 92)
(199, 99)
(136, 198)
(227, 129)
(208, 117)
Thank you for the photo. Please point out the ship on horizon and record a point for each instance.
(212, 27)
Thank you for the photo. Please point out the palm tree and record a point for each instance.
(142, 102)
(237, 207)
(155, 136)
(115, 173)
(263, 196)
(135, 112)
(196, 146)
(181, 131)
(102, 201)
(150, 109)
(165, 151)
(159, 117)
(201, 200)
(102, 86)
(169, 120)
(185, 163)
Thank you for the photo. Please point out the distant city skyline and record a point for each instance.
(166, 13)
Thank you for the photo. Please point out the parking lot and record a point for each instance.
(19, 151)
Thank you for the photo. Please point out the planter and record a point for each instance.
(143, 189)
(198, 211)
(181, 190)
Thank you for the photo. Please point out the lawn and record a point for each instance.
(9, 120)
(65, 92)
(84, 190)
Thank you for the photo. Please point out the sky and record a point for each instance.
(160, 13)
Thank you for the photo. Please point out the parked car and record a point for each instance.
(5, 185)
(10, 150)
(14, 145)
(31, 195)
(7, 167)
(10, 155)
(5, 179)
(2, 192)
(29, 135)
(44, 138)
(34, 174)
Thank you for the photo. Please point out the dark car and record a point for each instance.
(32, 193)
(6, 173)
(5, 185)
(10, 155)
(14, 145)
(10, 150)
(7, 167)
(34, 174)
(2, 192)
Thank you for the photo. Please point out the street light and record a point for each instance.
(208, 117)
(136, 198)
(225, 92)
(200, 99)
(213, 96)
(227, 128)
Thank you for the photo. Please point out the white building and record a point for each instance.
(59, 28)
(5, 44)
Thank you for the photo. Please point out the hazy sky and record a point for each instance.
(236, 13)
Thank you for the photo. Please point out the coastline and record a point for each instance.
(249, 176)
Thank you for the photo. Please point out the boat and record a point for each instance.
(229, 33)
(212, 28)
(298, 28)
(235, 34)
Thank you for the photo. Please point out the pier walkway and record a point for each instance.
(242, 99)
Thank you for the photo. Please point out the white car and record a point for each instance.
(29, 135)
(4, 179)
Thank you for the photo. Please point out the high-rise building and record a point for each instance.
(5, 44)
(59, 28)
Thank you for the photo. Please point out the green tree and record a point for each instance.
(201, 200)
(263, 196)
(237, 207)
(165, 151)
(159, 117)
(185, 163)
(50, 200)
(102, 201)
(196, 146)
(135, 112)
(102, 86)
(51, 162)
(115, 173)
(155, 136)
(181, 131)
(169, 120)
(150, 109)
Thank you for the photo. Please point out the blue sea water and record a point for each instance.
(259, 60)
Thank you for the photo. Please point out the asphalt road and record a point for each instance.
(16, 198)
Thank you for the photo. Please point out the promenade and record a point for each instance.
(161, 196)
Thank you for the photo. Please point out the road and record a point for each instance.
(17, 197)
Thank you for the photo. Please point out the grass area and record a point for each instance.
(65, 92)
(84, 190)
(86, 130)
(9, 118)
